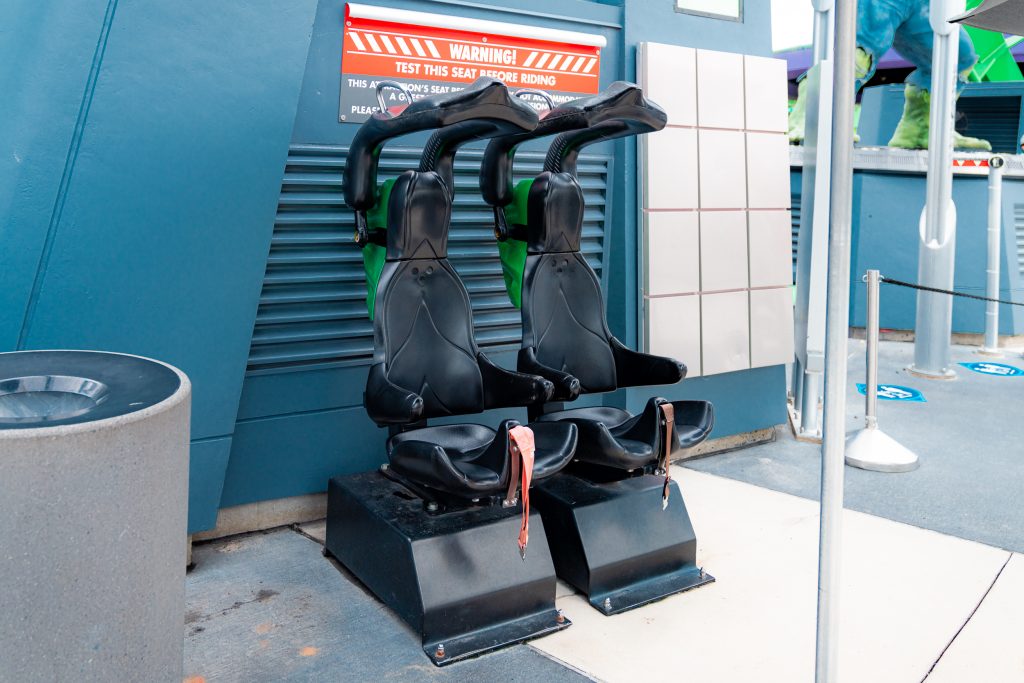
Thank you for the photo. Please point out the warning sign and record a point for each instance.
(431, 54)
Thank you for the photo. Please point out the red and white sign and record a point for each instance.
(970, 163)
(431, 53)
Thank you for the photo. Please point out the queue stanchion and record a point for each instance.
(871, 448)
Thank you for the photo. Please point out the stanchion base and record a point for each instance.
(872, 449)
(947, 375)
(991, 353)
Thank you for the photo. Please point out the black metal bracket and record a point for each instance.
(613, 541)
(456, 577)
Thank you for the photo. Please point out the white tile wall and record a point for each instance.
(771, 326)
(734, 168)
(673, 252)
(766, 102)
(767, 171)
(723, 250)
(723, 175)
(673, 329)
(725, 332)
(719, 89)
(771, 248)
(671, 158)
(671, 81)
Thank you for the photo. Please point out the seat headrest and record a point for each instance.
(484, 98)
(620, 101)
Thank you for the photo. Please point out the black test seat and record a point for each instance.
(565, 333)
(426, 361)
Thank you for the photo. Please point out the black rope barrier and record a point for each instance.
(914, 285)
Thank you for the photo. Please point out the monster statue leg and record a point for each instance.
(913, 41)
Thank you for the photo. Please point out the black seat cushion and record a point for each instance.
(426, 331)
(471, 460)
(427, 363)
(613, 437)
(565, 333)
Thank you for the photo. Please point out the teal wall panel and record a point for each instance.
(165, 208)
(49, 49)
(289, 455)
(208, 462)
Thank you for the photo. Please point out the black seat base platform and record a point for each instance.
(613, 541)
(455, 576)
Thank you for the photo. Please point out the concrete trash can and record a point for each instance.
(93, 517)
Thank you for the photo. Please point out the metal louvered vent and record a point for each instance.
(1018, 231)
(313, 305)
(794, 212)
(995, 119)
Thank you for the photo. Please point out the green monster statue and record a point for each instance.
(903, 25)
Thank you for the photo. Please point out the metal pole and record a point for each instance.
(837, 327)
(871, 361)
(937, 249)
(807, 387)
(995, 204)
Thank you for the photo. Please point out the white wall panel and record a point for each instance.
(771, 326)
(725, 332)
(723, 250)
(673, 329)
(668, 75)
(670, 169)
(673, 252)
(767, 93)
(767, 171)
(771, 248)
(719, 89)
(723, 181)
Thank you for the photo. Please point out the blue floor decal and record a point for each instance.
(894, 392)
(997, 369)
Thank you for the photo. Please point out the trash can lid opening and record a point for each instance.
(56, 388)
(45, 398)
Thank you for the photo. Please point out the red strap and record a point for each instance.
(522, 449)
(668, 412)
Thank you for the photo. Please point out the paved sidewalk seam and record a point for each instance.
(562, 662)
(969, 617)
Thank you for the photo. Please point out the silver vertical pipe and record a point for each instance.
(821, 47)
(837, 327)
(937, 249)
(871, 395)
(807, 383)
(995, 203)
(809, 398)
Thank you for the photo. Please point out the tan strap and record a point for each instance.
(668, 413)
(522, 448)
